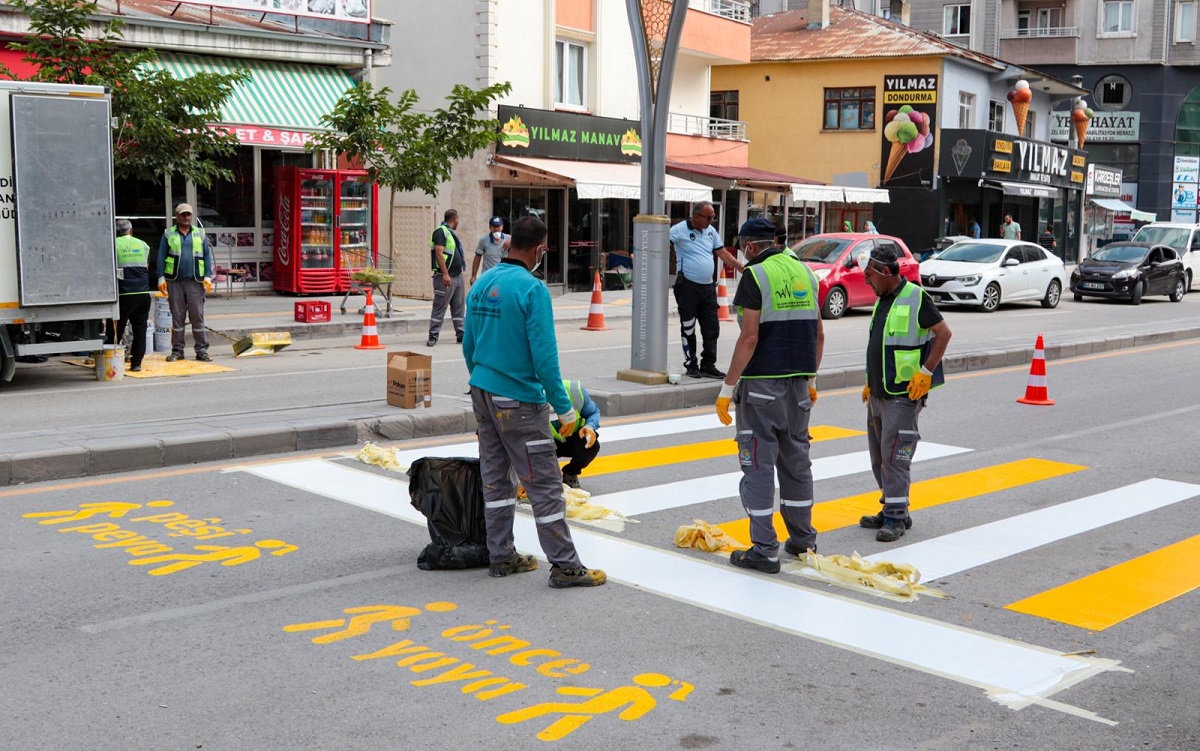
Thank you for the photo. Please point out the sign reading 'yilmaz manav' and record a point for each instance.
(564, 135)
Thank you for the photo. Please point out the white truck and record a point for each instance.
(58, 281)
(1184, 238)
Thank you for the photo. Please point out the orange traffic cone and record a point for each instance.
(595, 321)
(1037, 391)
(370, 334)
(723, 300)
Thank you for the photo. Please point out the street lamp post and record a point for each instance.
(656, 27)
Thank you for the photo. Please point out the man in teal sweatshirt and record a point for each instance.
(512, 355)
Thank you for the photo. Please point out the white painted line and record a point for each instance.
(953, 553)
(715, 487)
(1012, 673)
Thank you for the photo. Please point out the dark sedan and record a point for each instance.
(1130, 271)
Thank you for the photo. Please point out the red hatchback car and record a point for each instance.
(833, 257)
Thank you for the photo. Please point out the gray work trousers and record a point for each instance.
(186, 298)
(515, 443)
(892, 438)
(772, 437)
(444, 297)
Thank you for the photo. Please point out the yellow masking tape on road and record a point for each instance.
(692, 452)
(845, 512)
(1120, 592)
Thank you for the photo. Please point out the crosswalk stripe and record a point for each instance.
(693, 452)
(956, 552)
(845, 512)
(1122, 591)
(671, 495)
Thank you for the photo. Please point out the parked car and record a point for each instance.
(989, 272)
(1130, 271)
(939, 245)
(1184, 238)
(833, 257)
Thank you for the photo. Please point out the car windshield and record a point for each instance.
(1176, 237)
(1120, 253)
(972, 253)
(821, 250)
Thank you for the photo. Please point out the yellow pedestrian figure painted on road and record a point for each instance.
(224, 554)
(362, 618)
(111, 509)
(632, 701)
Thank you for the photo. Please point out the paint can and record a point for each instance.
(162, 323)
(110, 363)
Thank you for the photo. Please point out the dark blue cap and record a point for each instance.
(497, 222)
(757, 229)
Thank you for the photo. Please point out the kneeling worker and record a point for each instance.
(580, 447)
(772, 379)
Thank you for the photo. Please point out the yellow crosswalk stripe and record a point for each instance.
(693, 452)
(845, 512)
(1122, 591)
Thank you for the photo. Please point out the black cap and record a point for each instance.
(757, 229)
(497, 222)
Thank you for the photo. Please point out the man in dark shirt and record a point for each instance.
(908, 338)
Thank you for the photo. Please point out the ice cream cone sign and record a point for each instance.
(1081, 115)
(908, 132)
(1020, 97)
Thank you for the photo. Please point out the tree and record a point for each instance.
(404, 149)
(162, 122)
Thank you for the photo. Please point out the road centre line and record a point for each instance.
(1012, 673)
(959, 551)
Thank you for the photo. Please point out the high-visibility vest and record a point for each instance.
(787, 324)
(905, 343)
(132, 257)
(450, 247)
(175, 250)
(575, 392)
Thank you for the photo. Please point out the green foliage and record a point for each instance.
(404, 149)
(162, 122)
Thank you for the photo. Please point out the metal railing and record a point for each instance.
(1040, 31)
(736, 10)
(711, 127)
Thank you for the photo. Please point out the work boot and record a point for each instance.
(203, 357)
(710, 371)
(693, 372)
(459, 338)
(561, 578)
(518, 564)
(892, 529)
(571, 481)
(432, 342)
(792, 548)
(175, 357)
(755, 560)
(876, 521)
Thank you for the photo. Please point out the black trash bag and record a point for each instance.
(449, 492)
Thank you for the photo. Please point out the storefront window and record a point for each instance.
(513, 203)
(230, 203)
(144, 203)
(271, 161)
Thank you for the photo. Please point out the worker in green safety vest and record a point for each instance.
(133, 282)
(582, 446)
(185, 267)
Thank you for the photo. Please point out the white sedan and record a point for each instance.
(989, 272)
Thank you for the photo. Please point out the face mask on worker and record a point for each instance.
(497, 235)
(541, 257)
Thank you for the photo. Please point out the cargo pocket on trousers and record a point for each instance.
(747, 448)
(805, 408)
(906, 446)
(542, 458)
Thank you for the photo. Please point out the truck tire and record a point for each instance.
(8, 357)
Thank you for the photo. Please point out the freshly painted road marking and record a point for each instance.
(1012, 673)
(1120, 592)
(950, 554)
(845, 512)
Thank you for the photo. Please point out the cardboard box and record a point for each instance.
(409, 380)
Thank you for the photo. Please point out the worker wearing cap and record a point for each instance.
(772, 379)
(491, 247)
(133, 281)
(907, 339)
(185, 266)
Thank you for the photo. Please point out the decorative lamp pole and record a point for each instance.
(656, 26)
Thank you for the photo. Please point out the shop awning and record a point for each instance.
(1025, 190)
(1121, 207)
(817, 194)
(867, 195)
(606, 179)
(278, 95)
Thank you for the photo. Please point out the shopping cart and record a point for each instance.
(368, 271)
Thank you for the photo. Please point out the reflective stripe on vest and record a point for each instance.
(575, 394)
(787, 324)
(175, 250)
(450, 246)
(904, 342)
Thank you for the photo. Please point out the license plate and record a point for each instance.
(1092, 285)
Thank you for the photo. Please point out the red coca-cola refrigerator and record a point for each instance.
(325, 228)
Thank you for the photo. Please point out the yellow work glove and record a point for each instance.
(919, 385)
(866, 393)
(812, 389)
(567, 423)
(589, 436)
(162, 286)
(723, 401)
(208, 288)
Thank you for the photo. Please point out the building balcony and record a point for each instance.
(1053, 45)
(718, 31)
(707, 140)
(736, 10)
(709, 127)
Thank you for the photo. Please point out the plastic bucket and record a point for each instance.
(110, 363)
(162, 324)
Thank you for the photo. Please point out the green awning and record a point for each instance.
(278, 95)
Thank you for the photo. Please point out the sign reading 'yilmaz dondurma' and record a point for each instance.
(564, 135)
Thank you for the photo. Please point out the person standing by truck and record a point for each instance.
(185, 263)
(133, 281)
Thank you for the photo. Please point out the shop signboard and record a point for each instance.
(909, 126)
(564, 135)
(1183, 196)
(998, 156)
(1104, 182)
(352, 11)
(1187, 169)
(1105, 127)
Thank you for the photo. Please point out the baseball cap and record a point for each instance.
(496, 222)
(757, 229)
(183, 208)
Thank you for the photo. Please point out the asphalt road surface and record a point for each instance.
(278, 604)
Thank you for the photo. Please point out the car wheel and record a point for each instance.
(1053, 293)
(1135, 298)
(1178, 291)
(835, 304)
(1078, 297)
(991, 298)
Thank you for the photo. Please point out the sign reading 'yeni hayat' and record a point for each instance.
(564, 135)
(909, 114)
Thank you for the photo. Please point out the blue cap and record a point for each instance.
(757, 229)
(496, 222)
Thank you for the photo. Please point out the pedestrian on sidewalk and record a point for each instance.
(772, 379)
(582, 446)
(698, 247)
(185, 264)
(491, 248)
(511, 354)
(448, 263)
(133, 282)
(907, 340)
